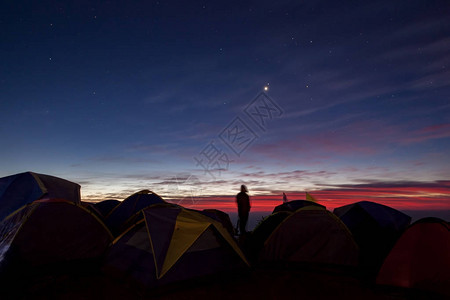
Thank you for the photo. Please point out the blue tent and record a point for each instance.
(23, 188)
(294, 205)
(220, 216)
(375, 228)
(106, 206)
(118, 217)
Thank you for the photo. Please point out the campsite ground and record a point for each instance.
(293, 283)
(268, 282)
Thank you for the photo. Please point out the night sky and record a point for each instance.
(348, 100)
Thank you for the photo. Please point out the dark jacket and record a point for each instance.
(243, 203)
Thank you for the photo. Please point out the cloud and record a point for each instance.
(402, 195)
(439, 79)
(425, 27)
(123, 159)
(398, 194)
(438, 131)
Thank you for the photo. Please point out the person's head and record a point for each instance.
(244, 188)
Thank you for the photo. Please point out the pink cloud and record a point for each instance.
(428, 133)
(365, 138)
(402, 196)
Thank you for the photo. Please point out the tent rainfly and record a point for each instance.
(420, 259)
(375, 228)
(51, 231)
(117, 219)
(23, 188)
(172, 244)
(313, 235)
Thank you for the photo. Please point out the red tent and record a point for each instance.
(421, 258)
(51, 231)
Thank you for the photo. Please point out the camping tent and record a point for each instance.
(262, 231)
(294, 205)
(106, 206)
(117, 219)
(23, 188)
(421, 258)
(375, 228)
(311, 234)
(51, 231)
(171, 244)
(220, 216)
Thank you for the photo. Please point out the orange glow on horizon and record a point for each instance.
(427, 197)
(401, 198)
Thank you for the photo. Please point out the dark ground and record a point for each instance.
(265, 282)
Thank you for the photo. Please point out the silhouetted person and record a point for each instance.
(243, 203)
